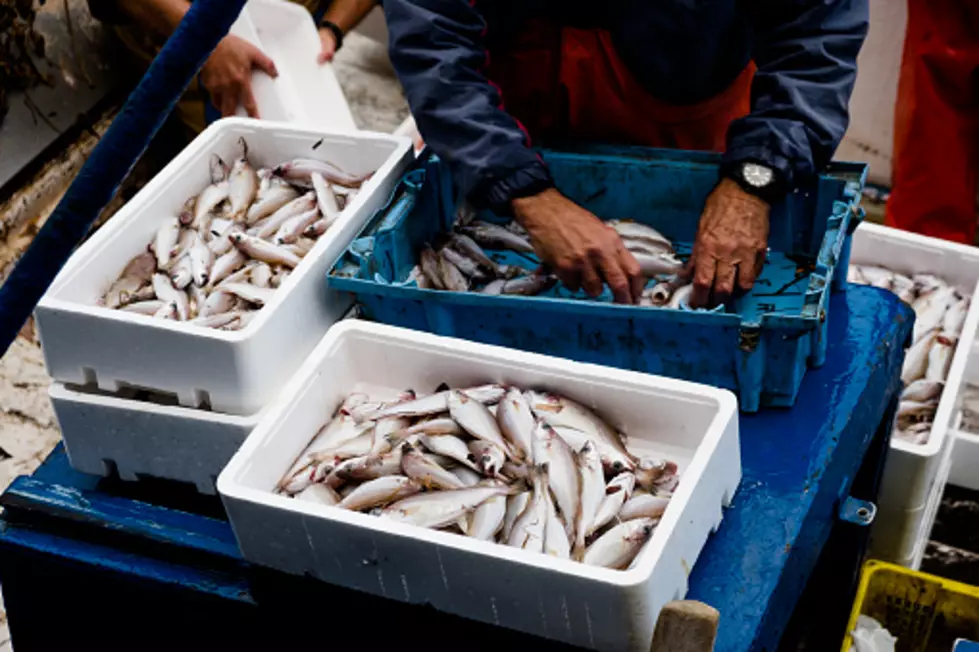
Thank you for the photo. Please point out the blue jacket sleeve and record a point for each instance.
(806, 53)
(437, 48)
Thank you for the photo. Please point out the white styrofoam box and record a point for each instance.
(236, 372)
(901, 536)
(141, 438)
(911, 469)
(965, 463)
(599, 608)
(305, 92)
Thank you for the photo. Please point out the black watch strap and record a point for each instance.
(337, 32)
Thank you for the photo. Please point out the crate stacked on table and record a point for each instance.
(603, 601)
(759, 346)
(173, 395)
(920, 458)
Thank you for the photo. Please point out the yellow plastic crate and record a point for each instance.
(926, 613)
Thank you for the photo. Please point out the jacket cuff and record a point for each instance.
(783, 167)
(497, 193)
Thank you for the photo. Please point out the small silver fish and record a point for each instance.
(916, 359)
(264, 251)
(429, 263)
(452, 278)
(466, 475)
(529, 285)
(657, 264)
(218, 169)
(641, 233)
(300, 170)
(267, 227)
(320, 494)
(617, 492)
(294, 227)
(923, 390)
(562, 471)
(167, 311)
(910, 412)
(494, 287)
(317, 228)
(429, 474)
(556, 543)
(250, 293)
(277, 196)
(438, 403)
(620, 545)
(150, 307)
(954, 317)
(216, 321)
(878, 276)
(925, 283)
(243, 184)
(530, 527)
(166, 292)
(487, 520)
(182, 273)
(261, 275)
(207, 202)
(854, 274)
(930, 310)
(491, 235)
(380, 492)
(434, 510)
(940, 358)
(904, 288)
(644, 506)
(166, 241)
(221, 244)
(467, 246)
(449, 446)
(515, 506)
(592, 486)
(475, 419)
(122, 292)
(226, 265)
(516, 423)
(464, 264)
(201, 260)
(680, 297)
(649, 471)
(326, 199)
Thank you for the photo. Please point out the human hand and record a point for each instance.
(328, 46)
(578, 246)
(227, 75)
(731, 244)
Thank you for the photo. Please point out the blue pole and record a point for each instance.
(205, 24)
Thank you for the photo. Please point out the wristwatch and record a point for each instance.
(337, 32)
(758, 180)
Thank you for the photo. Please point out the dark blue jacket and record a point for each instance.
(682, 51)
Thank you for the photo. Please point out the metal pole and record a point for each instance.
(205, 24)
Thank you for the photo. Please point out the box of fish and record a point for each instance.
(548, 496)
(430, 264)
(938, 279)
(208, 283)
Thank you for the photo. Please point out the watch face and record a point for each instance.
(757, 176)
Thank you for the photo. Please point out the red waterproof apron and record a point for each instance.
(936, 122)
(566, 83)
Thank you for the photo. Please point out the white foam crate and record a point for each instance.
(138, 438)
(597, 608)
(911, 469)
(305, 92)
(236, 372)
(965, 460)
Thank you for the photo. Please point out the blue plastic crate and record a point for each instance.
(760, 348)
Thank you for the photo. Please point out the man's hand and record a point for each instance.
(227, 75)
(731, 245)
(581, 250)
(328, 46)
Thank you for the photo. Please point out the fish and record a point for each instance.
(141, 267)
(939, 358)
(221, 244)
(150, 307)
(317, 228)
(250, 293)
(475, 418)
(925, 283)
(556, 543)
(650, 471)
(468, 247)
(243, 184)
(182, 273)
(617, 492)
(216, 320)
(487, 519)
(438, 402)
(217, 168)
(916, 359)
(435, 510)
(166, 292)
(466, 475)
(318, 493)
(930, 309)
(429, 474)
(359, 446)
(372, 467)
(646, 235)
(563, 478)
(904, 288)
(449, 446)
(911, 412)
(592, 492)
(207, 202)
(530, 526)
(657, 264)
(165, 241)
(201, 260)
(529, 285)
(429, 263)
(267, 203)
(293, 228)
(380, 492)
(644, 506)
(854, 274)
(122, 292)
(680, 297)
(489, 458)
(267, 227)
(515, 506)
(266, 252)
(167, 311)
(261, 275)
(463, 263)
(620, 545)
(954, 318)
(923, 390)
(878, 276)
(493, 287)
(301, 170)
(491, 235)
(558, 411)
(516, 423)
(452, 278)
(326, 199)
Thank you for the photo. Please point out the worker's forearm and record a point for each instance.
(347, 14)
(159, 16)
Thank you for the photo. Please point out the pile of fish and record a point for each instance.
(465, 262)
(528, 469)
(233, 245)
(940, 313)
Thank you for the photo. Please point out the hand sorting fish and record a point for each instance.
(528, 469)
(940, 313)
(233, 245)
(468, 261)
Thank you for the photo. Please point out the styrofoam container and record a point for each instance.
(965, 461)
(236, 372)
(137, 438)
(305, 92)
(911, 469)
(598, 608)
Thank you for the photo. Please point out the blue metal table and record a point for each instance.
(115, 565)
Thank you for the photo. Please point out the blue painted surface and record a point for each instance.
(759, 348)
(798, 464)
(963, 645)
